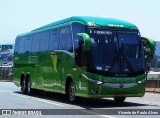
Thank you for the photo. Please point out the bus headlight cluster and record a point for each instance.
(141, 81)
(92, 80)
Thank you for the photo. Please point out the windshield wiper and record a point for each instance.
(114, 61)
(125, 58)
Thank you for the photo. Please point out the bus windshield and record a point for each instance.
(130, 44)
(116, 52)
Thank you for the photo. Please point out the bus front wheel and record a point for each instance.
(119, 99)
(71, 93)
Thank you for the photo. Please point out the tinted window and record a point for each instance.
(77, 28)
(22, 45)
(35, 42)
(54, 40)
(66, 39)
(130, 42)
(44, 41)
(28, 42)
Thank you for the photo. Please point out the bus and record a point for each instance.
(82, 56)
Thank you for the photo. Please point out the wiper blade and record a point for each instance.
(126, 58)
(113, 62)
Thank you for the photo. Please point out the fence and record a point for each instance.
(153, 82)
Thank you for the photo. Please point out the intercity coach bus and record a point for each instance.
(85, 56)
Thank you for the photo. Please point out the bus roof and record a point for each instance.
(88, 21)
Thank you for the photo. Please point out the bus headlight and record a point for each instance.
(92, 80)
(141, 81)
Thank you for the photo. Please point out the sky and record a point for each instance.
(20, 16)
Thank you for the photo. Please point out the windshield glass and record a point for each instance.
(103, 48)
(130, 44)
(117, 52)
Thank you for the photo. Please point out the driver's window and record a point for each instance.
(77, 28)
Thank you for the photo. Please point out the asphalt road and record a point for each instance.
(40, 102)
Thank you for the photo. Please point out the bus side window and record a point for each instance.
(54, 40)
(44, 41)
(22, 45)
(66, 39)
(28, 41)
(35, 42)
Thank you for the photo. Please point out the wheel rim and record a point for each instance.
(71, 92)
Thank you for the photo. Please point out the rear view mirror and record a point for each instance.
(149, 48)
(86, 40)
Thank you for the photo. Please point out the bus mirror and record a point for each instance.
(86, 39)
(149, 48)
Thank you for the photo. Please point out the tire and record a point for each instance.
(28, 86)
(119, 99)
(23, 86)
(71, 93)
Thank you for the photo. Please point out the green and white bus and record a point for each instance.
(85, 56)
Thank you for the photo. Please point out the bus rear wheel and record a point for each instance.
(71, 93)
(119, 99)
(28, 86)
(23, 86)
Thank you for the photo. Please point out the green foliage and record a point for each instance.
(155, 62)
(6, 47)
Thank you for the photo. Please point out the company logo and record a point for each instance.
(6, 112)
(20, 112)
(121, 86)
(115, 25)
(119, 80)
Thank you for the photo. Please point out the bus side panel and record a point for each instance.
(82, 85)
(57, 70)
(46, 71)
(22, 66)
(67, 68)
